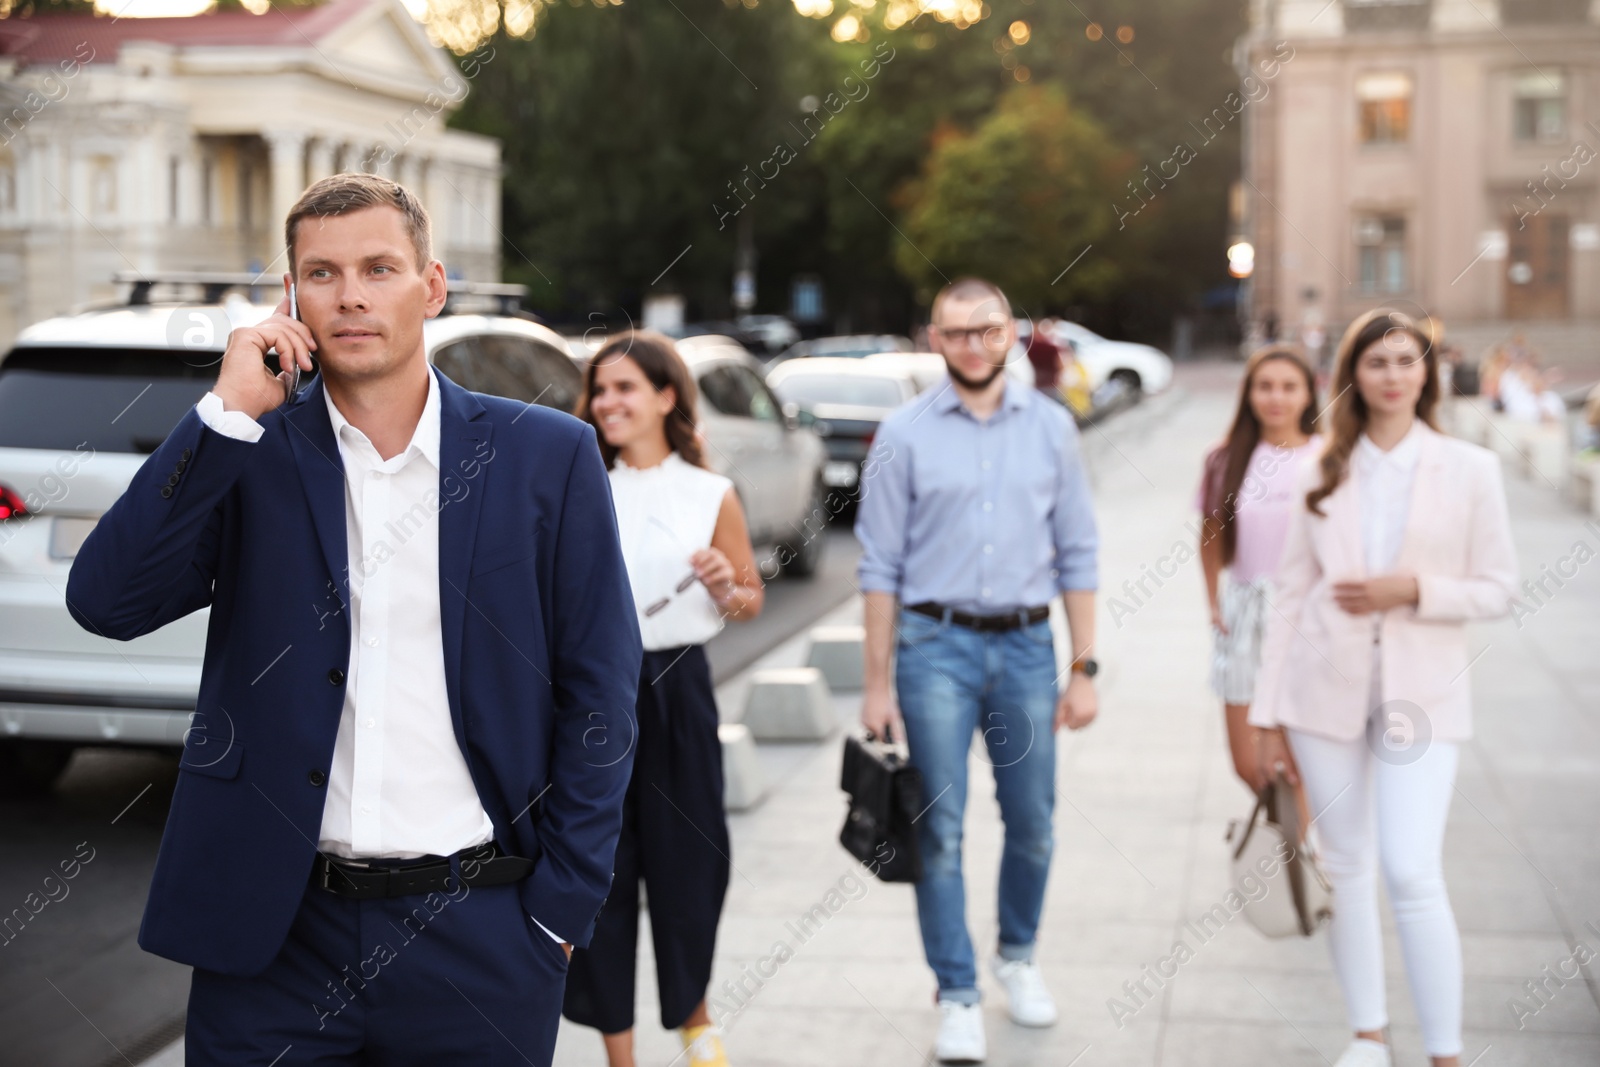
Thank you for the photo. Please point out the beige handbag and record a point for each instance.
(1271, 851)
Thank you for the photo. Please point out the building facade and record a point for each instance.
(1438, 156)
(175, 144)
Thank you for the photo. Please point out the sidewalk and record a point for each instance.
(1144, 798)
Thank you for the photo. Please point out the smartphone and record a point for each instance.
(292, 384)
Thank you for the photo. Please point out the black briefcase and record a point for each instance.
(885, 796)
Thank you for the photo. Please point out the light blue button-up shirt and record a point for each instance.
(982, 516)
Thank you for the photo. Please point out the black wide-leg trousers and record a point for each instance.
(675, 840)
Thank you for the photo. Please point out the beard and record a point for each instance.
(974, 384)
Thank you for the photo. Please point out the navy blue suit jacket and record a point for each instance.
(541, 654)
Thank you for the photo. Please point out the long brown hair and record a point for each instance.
(1348, 414)
(663, 367)
(1228, 462)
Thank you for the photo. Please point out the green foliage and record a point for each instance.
(622, 129)
(1016, 201)
(624, 124)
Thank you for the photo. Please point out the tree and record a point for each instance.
(1016, 201)
(632, 137)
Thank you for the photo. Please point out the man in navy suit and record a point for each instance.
(398, 803)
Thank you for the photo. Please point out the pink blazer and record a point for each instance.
(1316, 659)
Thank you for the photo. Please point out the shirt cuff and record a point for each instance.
(235, 424)
(556, 937)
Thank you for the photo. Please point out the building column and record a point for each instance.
(319, 159)
(286, 164)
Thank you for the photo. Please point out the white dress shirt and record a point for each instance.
(399, 785)
(665, 514)
(1384, 480)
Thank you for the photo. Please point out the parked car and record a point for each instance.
(83, 400)
(775, 462)
(1143, 368)
(851, 346)
(847, 399)
(927, 369)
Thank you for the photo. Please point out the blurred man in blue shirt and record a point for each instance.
(977, 513)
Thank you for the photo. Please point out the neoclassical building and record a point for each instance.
(180, 143)
(1442, 156)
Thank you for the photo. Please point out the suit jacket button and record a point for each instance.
(316, 778)
(187, 454)
(172, 479)
(336, 677)
(178, 466)
(166, 490)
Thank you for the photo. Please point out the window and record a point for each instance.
(520, 368)
(1539, 107)
(457, 361)
(107, 399)
(174, 172)
(724, 391)
(1381, 241)
(1385, 103)
(760, 403)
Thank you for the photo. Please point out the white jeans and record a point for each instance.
(1360, 801)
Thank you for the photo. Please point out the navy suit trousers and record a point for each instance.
(460, 977)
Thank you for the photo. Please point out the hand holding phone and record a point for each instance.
(244, 383)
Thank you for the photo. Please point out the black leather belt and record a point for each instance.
(1011, 620)
(361, 880)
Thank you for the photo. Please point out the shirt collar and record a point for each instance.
(1014, 398)
(1402, 457)
(424, 439)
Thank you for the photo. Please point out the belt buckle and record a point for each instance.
(330, 865)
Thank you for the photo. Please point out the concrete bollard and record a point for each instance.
(1544, 451)
(789, 704)
(836, 652)
(743, 783)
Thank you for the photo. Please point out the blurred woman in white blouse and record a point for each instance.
(690, 562)
(1363, 693)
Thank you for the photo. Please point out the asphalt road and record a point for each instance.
(75, 988)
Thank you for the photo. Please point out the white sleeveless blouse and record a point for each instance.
(665, 514)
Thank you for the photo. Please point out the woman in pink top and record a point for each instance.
(1246, 494)
(1364, 693)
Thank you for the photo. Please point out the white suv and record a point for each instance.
(84, 399)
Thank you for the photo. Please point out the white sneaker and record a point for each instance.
(1365, 1053)
(960, 1033)
(1029, 1001)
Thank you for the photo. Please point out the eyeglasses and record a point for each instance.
(969, 334)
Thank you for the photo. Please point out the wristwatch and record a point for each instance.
(1088, 666)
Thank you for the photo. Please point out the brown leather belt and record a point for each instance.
(1011, 620)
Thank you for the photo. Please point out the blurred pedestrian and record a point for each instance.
(1246, 495)
(1045, 355)
(381, 849)
(691, 566)
(1363, 693)
(977, 521)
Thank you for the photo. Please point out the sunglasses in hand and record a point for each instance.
(661, 605)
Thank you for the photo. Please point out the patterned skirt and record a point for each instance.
(1236, 655)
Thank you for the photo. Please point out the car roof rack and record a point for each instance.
(501, 297)
(214, 283)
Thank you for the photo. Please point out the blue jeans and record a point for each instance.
(952, 681)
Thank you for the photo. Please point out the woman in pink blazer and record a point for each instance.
(1363, 694)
